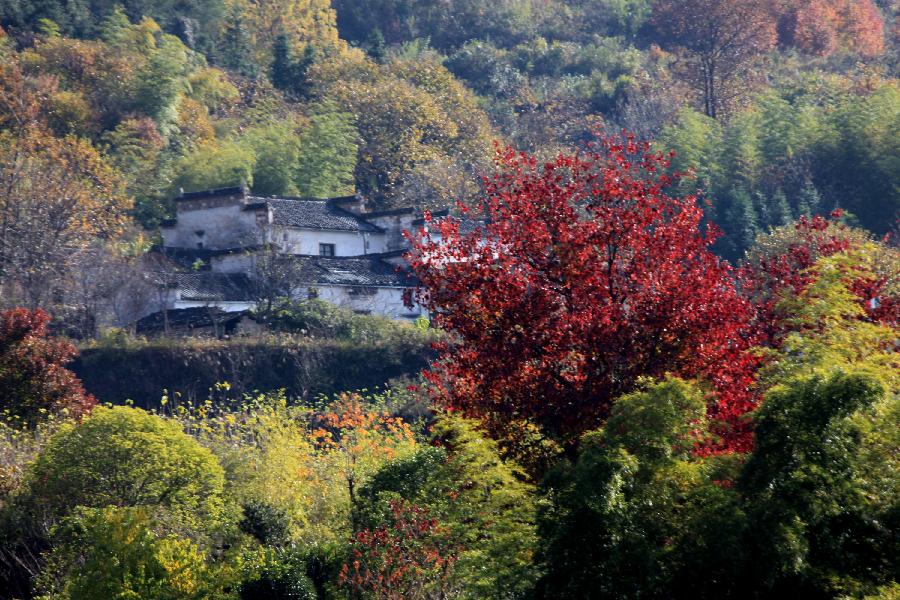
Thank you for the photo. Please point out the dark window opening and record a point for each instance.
(326, 249)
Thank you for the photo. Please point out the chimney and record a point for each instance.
(355, 204)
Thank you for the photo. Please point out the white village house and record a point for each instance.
(337, 251)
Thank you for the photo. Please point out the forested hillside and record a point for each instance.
(656, 355)
(783, 108)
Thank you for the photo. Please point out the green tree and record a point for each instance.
(114, 27)
(821, 486)
(103, 553)
(741, 222)
(282, 73)
(328, 154)
(376, 45)
(215, 165)
(809, 201)
(126, 457)
(488, 511)
(275, 574)
(162, 80)
(857, 167)
(137, 150)
(780, 209)
(696, 140)
(639, 514)
(277, 150)
(235, 49)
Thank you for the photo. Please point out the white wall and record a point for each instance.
(223, 227)
(239, 262)
(346, 243)
(226, 306)
(387, 302)
(394, 226)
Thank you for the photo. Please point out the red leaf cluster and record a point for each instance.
(767, 277)
(585, 276)
(411, 557)
(33, 377)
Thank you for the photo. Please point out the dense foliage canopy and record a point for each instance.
(668, 365)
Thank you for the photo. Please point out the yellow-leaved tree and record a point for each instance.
(57, 194)
(304, 22)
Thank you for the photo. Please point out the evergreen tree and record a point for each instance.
(236, 50)
(809, 201)
(779, 209)
(115, 26)
(764, 217)
(289, 74)
(376, 44)
(301, 71)
(282, 72)
(741, 222)
(47, 28)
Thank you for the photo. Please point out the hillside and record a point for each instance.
(449, 299)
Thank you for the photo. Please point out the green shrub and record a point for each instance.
(487, 510)
(268, 524)
(126, 457)
(101, 554)
(638, 515)
(276, 575)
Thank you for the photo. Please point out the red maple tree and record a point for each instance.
(33, 377)
(585, 276)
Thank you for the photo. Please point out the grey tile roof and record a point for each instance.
(214, 287)
(224, 191)
(466, 224)
(315, 214)
(189, 257)
(188, 318)
(353, 271)
(362, 271)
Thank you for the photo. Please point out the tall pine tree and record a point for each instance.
(282, 72)
(741, 222)
(236, 50)
(779, 209)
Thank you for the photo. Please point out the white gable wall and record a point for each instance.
(294, 240)
(386, 301)
(222, 226)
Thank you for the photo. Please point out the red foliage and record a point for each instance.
(412, 557)
(823, 27)
(767, 277)
(586, 276)
(33, 376)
